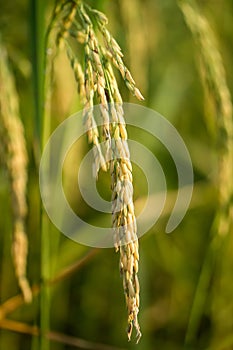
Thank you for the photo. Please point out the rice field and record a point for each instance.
(147, 290)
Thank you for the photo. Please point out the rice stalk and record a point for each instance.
(220, 122)
(15, 159)
(96, 82)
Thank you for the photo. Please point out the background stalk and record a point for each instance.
(42, 129)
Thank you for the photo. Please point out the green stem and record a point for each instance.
(42, 129)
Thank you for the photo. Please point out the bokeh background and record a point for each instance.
(186, 276)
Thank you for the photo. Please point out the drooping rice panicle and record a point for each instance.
(15, 159)
(96, 82)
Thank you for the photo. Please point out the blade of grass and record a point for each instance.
(201, 292)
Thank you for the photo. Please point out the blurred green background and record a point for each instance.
(186, 280)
